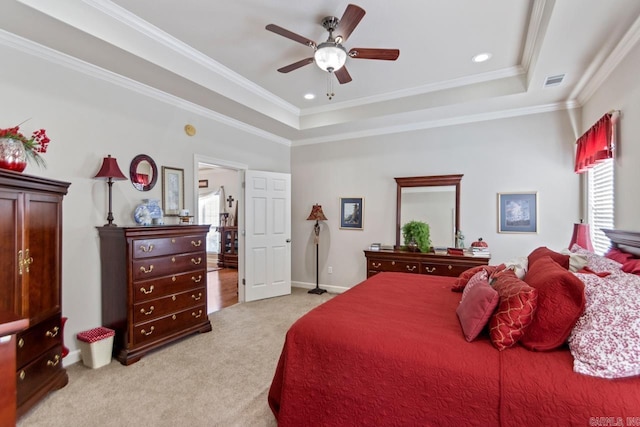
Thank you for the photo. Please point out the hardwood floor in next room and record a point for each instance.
(222, 288)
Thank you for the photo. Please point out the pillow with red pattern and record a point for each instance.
(465, 276)
(479, 300)
(560, 303)
(618, 256)
(632, 266)
(597, 263)
(543, 251)
(516, 308)
(480, 276)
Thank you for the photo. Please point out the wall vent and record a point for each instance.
(554, 80)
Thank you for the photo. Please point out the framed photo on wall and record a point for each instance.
(203, 183)
(351, 213)
(172, 190)
(518, 212)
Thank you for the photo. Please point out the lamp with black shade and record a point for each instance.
(110, 171)
(317, 215)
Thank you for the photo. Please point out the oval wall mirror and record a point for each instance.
(143, 172)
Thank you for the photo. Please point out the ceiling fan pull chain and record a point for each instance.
(330, 93)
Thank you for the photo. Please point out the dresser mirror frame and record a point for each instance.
(140, 162)
(427, 181)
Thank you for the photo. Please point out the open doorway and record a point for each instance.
(218, 198)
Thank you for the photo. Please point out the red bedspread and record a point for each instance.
(390, 351)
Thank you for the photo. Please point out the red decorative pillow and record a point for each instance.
(479, 277)
(543, 251)
(561, 302)
(617, 255)
(465, 276)
(517, 306)
(476, 308)
(632, 266)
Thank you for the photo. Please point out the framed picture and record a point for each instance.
(172, 190)
(351, 213)
(203, 183)
(518, 212)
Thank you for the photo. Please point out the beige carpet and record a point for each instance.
(220, 378)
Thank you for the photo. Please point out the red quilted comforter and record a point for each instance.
(390, 351)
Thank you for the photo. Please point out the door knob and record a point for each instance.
(288, 240)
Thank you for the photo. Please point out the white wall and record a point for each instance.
(88, 118)
(531, 153)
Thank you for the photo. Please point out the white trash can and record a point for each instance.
(96, 346)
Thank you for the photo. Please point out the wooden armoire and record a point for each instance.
(30, 279)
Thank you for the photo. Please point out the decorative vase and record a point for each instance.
(154, 208)
(12, 155)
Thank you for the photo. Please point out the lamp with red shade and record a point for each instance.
(110, 171)
(581, 236)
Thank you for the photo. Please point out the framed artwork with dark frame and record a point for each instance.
(172, 190)
(203, 183)
(351, 213)
(518, 212)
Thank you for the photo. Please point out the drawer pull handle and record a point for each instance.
(376, 264)
(143, 332)
(430, 270)
(173, 240)
(146, 313)
(197, 315)
(54, 362)
(173, 259)
(22, 375)
(52, 333)
(196, 244)
(197, 279)
(197, 298)
(393, 263)
(173, 297)
(21, 343)
(145, 271)
(173, 317)
(147, 292)
(173, 278)
(196, 261)
(144, 248)
(411, 268)
(450, 267)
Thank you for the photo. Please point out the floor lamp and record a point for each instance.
(317, 215)
(110, 171)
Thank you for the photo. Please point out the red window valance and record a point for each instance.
(596, 144)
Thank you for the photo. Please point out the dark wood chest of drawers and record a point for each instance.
(154, 286)
(420, 263)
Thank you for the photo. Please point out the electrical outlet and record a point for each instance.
(330, 270)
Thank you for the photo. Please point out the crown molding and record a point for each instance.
(430, 124)
(591, 82)
(55, 57)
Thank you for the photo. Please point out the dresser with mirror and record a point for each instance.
(436, 201)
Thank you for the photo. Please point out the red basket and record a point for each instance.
(95, 334)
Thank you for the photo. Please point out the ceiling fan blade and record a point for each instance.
(290, 35)
(367, 53)
(349, 21)
(296, 65)
(343, 75)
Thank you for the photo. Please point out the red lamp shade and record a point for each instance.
(316, 214)
(581, 236)
(110, 169)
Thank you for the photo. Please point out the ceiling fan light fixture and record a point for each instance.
(330, 56)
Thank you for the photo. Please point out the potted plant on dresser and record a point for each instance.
(416, 236)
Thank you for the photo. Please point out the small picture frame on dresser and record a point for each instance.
(351, 213)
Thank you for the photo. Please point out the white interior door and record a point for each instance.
(267, 235)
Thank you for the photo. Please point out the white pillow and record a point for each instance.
(577, 261)
(519, 266)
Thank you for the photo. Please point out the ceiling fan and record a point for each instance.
(330, 55)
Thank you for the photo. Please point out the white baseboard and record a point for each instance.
(329, 288)
(72, 357)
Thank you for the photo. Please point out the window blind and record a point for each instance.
(601, 203)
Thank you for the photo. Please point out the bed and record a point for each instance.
(390, 351)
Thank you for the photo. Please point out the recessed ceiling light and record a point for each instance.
(309, 96)
(481, 57)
